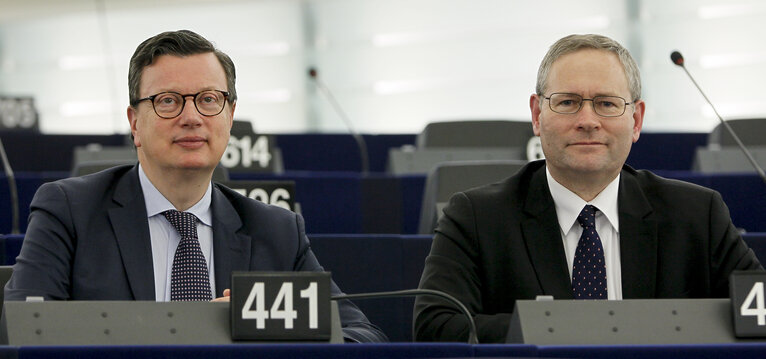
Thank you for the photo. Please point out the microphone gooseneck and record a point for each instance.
(12, 189)
(678, 59)
(365, 159)
(472, 333)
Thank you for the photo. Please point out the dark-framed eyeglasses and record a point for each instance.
(171, 104)
(570, 103)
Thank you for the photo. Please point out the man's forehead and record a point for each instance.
(588, 62)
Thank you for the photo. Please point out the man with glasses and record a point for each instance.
(160, 230)
(580, 224)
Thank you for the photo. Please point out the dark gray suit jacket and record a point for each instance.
(502, 242)
(88, 239)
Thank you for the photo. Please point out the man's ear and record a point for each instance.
(535, 109)
(133, 121)
(638, 119)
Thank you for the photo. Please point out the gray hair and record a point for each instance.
(176, 43)
(574, 43)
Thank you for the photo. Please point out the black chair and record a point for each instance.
(751, 131)
(450, 177)
(476, 134)
(5, 275)
(478, 140)
(723, 154)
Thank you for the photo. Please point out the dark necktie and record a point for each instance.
(589, 269)
(189, 278)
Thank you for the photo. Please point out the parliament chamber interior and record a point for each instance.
(365, 117)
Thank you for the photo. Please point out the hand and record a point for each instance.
(226, 296)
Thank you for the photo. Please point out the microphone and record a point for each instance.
(472, 336)
(365, 159)
(12, 189)
(678, 59)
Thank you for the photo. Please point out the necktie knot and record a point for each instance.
(184, 222)
(587, 217)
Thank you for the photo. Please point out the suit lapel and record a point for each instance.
(543, 239)
(638, 239)
(231, 249)
(131, 229)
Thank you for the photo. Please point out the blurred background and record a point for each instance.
(394, 65)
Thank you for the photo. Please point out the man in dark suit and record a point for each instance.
(160, 230)
(581, 223)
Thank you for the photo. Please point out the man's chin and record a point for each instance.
(586, 168)
(196, 166)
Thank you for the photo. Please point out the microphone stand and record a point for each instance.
(339, 110)
(678, 59)
(12, 189)
(472, 336)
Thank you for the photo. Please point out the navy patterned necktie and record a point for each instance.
(589, 269)
(189, 278)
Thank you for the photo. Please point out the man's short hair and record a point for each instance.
(574, 43)
(177, 43)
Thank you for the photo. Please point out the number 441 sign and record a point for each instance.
(276, 306)
(748, 303)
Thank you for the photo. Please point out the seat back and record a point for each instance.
(476, 134)
(5, 275)
(752, 132)
(450, 177)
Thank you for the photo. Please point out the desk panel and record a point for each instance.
(249, 351)
(739, 351)
(391, 350)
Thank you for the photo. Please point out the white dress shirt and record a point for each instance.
(568, 207)
(165, 238)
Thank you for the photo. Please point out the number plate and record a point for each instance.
(249, 153)
(276, 306)
(747, 300)
(278, 193)
(18, 113)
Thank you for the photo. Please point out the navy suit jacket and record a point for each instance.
(88, 239)
(501, 242)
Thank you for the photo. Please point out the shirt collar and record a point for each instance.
(156, 202)
(569, 205)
